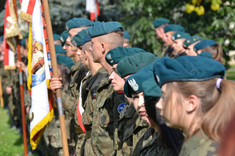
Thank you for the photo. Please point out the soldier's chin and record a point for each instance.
(117, 88)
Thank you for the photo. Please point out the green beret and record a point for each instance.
(77, 23)
(115, 55)
(132, 64)
(173, 27)
(205, 54)
(56, 37)
(187, 68)
(127, 35)
(133, 84)
(203, 44)
(102, 28)
(64, 36)
(77, 39)
(22, 42)
(180, 35)
(62, 59)
(1, 39)
(190, 41)
(86, 38)
(59, 50)
(160, 21)
(151, 88)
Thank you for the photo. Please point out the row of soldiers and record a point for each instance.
(109, 91)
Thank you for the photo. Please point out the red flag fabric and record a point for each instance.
(92, 6)
(10, 32)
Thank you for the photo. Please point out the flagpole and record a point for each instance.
(21, 87)
(55, 73)
(1, 98)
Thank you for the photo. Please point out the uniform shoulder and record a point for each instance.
(199, 144)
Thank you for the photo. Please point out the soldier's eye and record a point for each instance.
(135, 97)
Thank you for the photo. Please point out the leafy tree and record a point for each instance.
(211, 19)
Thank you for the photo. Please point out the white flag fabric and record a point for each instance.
(92, 6)
(41, 111)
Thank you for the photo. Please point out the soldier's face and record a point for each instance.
(84, 59)
(117, 81)
(138, 101)
(170, 107)
(190, 51)
(160, 34)
(70, 49)
(96, 49)
(178, 46)
(168, 40)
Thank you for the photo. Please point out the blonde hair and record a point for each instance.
(217, 105)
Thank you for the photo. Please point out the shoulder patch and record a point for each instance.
(120, 107)
(93, 95)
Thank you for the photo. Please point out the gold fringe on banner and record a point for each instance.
(30, 57)
(9, 67)
(26, 16)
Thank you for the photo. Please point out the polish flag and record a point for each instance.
(92, 6)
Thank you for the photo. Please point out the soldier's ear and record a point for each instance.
(103, 47)
(192, 103)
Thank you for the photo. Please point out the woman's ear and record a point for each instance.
(192, 103)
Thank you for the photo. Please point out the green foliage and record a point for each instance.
(137, 17)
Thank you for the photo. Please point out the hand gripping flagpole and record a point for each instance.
(55, 73)
(21, 88)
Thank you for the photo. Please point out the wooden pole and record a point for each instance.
(1, 98)
(55, 73)
(21, 88)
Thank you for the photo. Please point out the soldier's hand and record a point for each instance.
(9, 90)
(27, 109)
(55, 83)
(22, 65)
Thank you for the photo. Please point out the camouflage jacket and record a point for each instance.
(105, 119)
(89, 97)
(167, 51)
(130, 129)
(199, 144)
(155, 146)
(88, 102)
(78, 72)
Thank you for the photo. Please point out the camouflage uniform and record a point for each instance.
(79, 133)
(199, 144)
(130, 129)
(167, 51)
(78, 72)
(153, 146)
(180, 54)
(105, 119)
(11, 79)
(70, 93)
(88, 101)
(70, 100)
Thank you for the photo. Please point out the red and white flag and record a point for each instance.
(92, 6)
(11, 30)
(41, 111)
